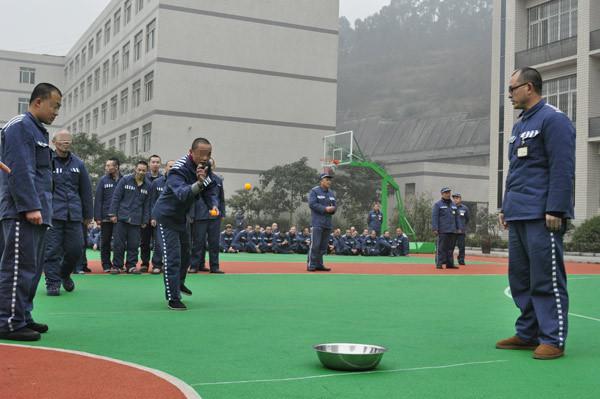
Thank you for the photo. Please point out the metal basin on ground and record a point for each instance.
(349, 357)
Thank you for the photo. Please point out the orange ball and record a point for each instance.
(213, 212)
(247, 186)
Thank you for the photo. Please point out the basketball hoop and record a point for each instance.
(329, 165)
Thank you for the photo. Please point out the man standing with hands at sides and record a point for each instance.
(156, 189)
(463, 217)
(444, 224)
(104, 193)
(537, 203)
(189, 178)
(25, 211)
(147, 233)
(72, 210)
(321, 202)
(375, 220)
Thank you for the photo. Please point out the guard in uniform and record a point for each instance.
(375, 220)
(321, 202)
(444, 223)
(538, 200)
(463, 219)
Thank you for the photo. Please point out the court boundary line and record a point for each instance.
(346, 374)
(186, 389)
(189, 310)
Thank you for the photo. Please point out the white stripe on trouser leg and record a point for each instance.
(556, 294)
(13, 303)
(310, 248)
(165, 262)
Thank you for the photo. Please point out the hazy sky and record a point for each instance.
(42, 26)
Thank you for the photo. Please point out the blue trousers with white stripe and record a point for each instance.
(64, 247)
(176, 258)
(20, 271)
(318, 246)
(538, 281)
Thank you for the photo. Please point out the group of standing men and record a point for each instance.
(449, 220)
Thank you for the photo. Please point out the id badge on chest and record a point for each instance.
(523, 151)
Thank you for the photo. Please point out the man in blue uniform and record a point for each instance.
(444, 224)
(129, 209)
(375, 220)
(403, 247)
(226, 239)
(240, 221)
(463, 217)
(349, 244)
(189, 178)
(240, 241)
(303, 242)
(388, 246)
(281, 244)
(71, 210)
(292, 237)
(371, 245)
(266, 243)
(156, 189)
(104, 193)
(25, 211)
(321, 202)
(254, 240)
(147, 233)
(537, 203)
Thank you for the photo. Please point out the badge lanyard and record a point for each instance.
(523, 150)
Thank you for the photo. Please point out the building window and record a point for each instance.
(23, 105)
(117, 24)
(103, 113)
(146, 137)
(75, 96)
(97, 79)
(89, 85)
(127, 8)
(27, 75)
(115, 64)
(551, 22)
(137, 45)
(107, 32)
(135, 94)
(410, 189)
(562, 93)
(87, 122)
(134, 142)
(98, 41)
(126, 55)
(83, 56)
(77, 63)
(105, 73)
(124, 100)
(80, 125)
(122, 142)
(111, 143)
(91, 48)
(66, 74)
(139, 5)
(113, 108)
(150, 29)
(82, 91)
(95, 119)
(149, 86)
(70, 100)
(74, 128)
(71, 69)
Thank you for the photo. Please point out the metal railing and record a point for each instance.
(547, 52)
(595, 40)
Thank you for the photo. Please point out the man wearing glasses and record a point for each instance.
(537, 202)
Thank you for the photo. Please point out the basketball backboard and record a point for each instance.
(338, 147)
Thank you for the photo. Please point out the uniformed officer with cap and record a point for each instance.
(444, 224)
(463, 217)
(321, 202)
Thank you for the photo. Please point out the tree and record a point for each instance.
(418, 213)
(92, 152)
(356, 190)
(586, 237)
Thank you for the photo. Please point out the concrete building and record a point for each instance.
(257, 78)
(560, 38)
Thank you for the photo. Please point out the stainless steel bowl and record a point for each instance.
(349, 357)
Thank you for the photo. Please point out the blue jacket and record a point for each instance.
(375, 220)
(349, 242)
(240, 240)
(239, 221)
(542, 182)
(28, 187)
(72, 199)
(444, 217)
(318, 200)
(387, 242)
(403, 244)
(201, 210)
(174, 204)
(130, 202)
(266, 239)
(156, 189)
(278, 243)
(370, 244)
(94, 236)
(151, 179)
(293, 240)
(225, 240)
(255, 238)
(301, 239)
(463, 217)
(104, 193)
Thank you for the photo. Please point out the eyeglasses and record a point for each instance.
(511, 89)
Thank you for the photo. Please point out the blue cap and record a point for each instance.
(323, 175)
(445, 189)
(457, 195)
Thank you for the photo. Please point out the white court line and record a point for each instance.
(507, 293)
(189, 310)
(188, 391)
(345, 374)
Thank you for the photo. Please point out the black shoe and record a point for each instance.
(451, 267)
(193, 270)
(310, 269)
(22, 334)
(68, 284)
(324, 269)
(204, 269)
(87, 269)
(461, 263)
(218, 271)
(53, 290)
(177, 305)
(41, 328)
(185, 290)
(439, 267)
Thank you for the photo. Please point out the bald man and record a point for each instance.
(72, 207)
